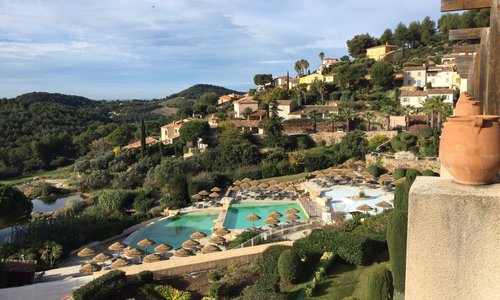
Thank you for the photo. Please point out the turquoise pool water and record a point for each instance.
(237, 213)
(175, 231)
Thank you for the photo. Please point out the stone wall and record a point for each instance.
(331, 138)
(453, 247)
(392, 164)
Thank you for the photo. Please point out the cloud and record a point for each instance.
(150, 48)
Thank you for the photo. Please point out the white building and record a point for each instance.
(442, 77)
(245, 104)
(417, 98)
(415, 76)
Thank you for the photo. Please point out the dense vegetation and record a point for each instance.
(195, 91)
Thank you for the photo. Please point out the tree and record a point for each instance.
(359, 43)
(332, 117)
(191, 131)
(401, 35)
(368, 116)
(143, 138)
(289, 266)
(313, 115)
(321, 56)
(413, 34)
(350, 75)
(427, 31)
(298, 68)
(387, 37)
(348, 115)
(320, 86)
(177, 195)
(436, 108)
(382, 74)
(304, 64)
(273, 128)
(379, 284)
(50, 253)
(14, 205)
(397, 227)
(262, 79)
(388, 111)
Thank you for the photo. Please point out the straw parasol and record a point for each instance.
(254, 183)
(272, 188)
(190, 244)
(263, 185)
(203, 193)
(120, 263)
(217, 239)
(253, 217)
(182, 252)
(245, 185)
(85, 252)
(152, 258)
(274, 214)
(88, 269)
(237, 182)
(197, 197)
(273, 221)
(101, 257)
(246, 180)
(134, 252)
(384, 204)
(210, 249)
(215, 189)
(292, 210)
(272, 182)
(290, 189)
(198, 235)
(292, 217)
(145, 243)
(234, 188)
(162, 248)
(282, 185)
(385, 178)
(222, 231)
(364, 207)
(117, 246)
(253, 188)
(214, 195)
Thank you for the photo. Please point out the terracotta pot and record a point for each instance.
(468, 106)
(470, 148)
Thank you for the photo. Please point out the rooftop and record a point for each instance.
(285, 102)
(137, 144)
(415, 68)
(439, 91)
(405, 93)
(246, 123)
(247, 100)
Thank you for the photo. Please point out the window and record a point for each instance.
(419, 83)
(409, 82)
(419, 74)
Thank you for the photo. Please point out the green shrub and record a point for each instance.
(242, 237)
(399, 173)
(268, 282)
(379, 284)
(269, 170)
(396, 242)
(403, 141)
(289, 265)
(411, 175)
(145, 276)
(375, 170)
(401, 196)
(218, 290)
(254, 293)
(429, 173)
(376, 141)
(164, 292)
(104, 287)
(268, 263)
(213, 276)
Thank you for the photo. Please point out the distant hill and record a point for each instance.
(197, 90)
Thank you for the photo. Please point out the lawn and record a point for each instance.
(287, 177)
(63, 172)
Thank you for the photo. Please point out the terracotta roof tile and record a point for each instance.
(415, 68)
(439, 91)
(413, 93)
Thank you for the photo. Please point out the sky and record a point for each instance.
(145, 49)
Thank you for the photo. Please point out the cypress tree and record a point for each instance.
(397, 228)
(143, 138)
(379, 285)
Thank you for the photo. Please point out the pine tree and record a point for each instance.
(143, 138)
(273, 128)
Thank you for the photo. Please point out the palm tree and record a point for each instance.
(348, 114)
(388, 111)
(321, 88)
(302, 87)
(408, 110)
(435, 107)
(313, 115)
(368, 116)
(304, 64)
(298, 68)
(332, 117)
(321, 56)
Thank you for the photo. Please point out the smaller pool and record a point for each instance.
(175, 230)
(237, 213)
(52, 203)
(343, 198)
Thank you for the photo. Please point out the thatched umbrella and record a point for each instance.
(134, 252)
(210, 249)
(203, 193)
(88, 269)
(222, 231)
(198, 235)
(245, 185)
(253, 218)
(292, 210)
(384, 205)
(283, 185)
(234, 188)
(215, 189)
(197, 197)
(272, 182)
(117, 246)
(385, 178)
(246, 180)
(263, 185)
(85, 252)
(273, 221)
(274, 214)
(292, 217)
(120, 263)
(101, 257)
(217, 239)
(190, 244)
(162, 248)
(214, 195)
(364, 207)
(290, 189)
(182, 252)
(253, 188)
(152, 258)
(272, 188)
(145, 243)
(237, 182)
(254, 183)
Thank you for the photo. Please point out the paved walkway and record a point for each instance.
(44, 291)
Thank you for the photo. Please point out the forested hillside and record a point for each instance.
(197, 90)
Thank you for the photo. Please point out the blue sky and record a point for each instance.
(146, 49)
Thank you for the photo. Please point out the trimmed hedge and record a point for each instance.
(268, 282)
(379, 284)
(104, 287)
(396, 242)
(165, 292)
(375, 170)
(218, 290)
(351, 247)
(399, 173)
(289, 265)
(145, 276)
(403, 141)
(252, 292)
(429, 173)
(323, 267)
(268, 264)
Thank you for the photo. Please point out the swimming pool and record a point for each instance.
(237, 213)
(175, 230)
(342, 203)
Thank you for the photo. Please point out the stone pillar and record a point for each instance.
(453, 248)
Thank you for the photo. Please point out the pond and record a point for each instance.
(52, 204)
